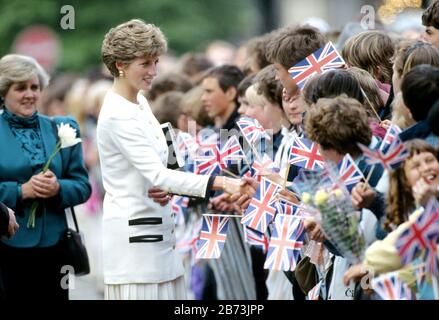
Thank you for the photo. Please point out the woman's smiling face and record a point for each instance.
(423, 165)
(22, 97)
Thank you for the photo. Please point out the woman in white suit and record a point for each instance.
(140, 260)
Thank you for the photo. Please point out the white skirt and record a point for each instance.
(170, 290)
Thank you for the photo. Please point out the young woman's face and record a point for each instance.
(423, 165)
(141, 72)
(294, 109)
(256, 112)
(22, 97)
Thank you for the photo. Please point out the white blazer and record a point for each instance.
(138, 234)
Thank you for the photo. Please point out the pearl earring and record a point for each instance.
(121, 74)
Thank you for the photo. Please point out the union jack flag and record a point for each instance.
(286, 207)
(251, 130)
(213, 236)
(389, 287)
(187, 145)
(391, 134)
(348, 172)
(314, 293)
(217, 159)
(420, 234)
(285, 243)
(390, 159)
(324, 59)
(264, 167)
(256, 238)
(207, 141)
(179, 206)
(187, 243)
(305, 153)
(431, 258)
(262, 207)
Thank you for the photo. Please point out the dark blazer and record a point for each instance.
(15, 169)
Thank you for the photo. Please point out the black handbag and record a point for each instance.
(75, 250)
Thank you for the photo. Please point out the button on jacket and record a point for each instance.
(138, 237)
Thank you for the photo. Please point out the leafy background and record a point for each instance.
(188, 24)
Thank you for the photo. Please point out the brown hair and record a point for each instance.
(370, 50)
(194, 64)
(192, 106)
(370, 88)
(430, 17)
(411, 54)
(331, 84)
(168, 82)
(130, 40)
(339, 124)
(257, 51)
(288, 46)
(267, 85)
(400, 200)
(167, 107)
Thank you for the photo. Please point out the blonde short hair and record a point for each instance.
(18, 68)
(130, 40)
(254, 98)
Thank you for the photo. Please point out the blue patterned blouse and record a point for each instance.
(27, 133)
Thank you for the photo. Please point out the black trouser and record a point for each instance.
(33, 273)
(209, 284)
(259, 273)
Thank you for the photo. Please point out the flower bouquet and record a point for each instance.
(67, 138)
(331, 205)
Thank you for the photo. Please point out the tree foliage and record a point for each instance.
(189, 25)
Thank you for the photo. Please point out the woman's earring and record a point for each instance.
(121, 74)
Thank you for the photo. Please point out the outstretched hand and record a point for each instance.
(222, 203)
(248, 189)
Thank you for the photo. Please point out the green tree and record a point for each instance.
(189, 25)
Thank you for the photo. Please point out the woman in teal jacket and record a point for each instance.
(32, 260)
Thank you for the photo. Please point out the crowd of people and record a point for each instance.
(122, 180)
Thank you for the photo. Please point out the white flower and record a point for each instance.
(67, 136)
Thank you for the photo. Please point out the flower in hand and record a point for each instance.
(45, 184)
